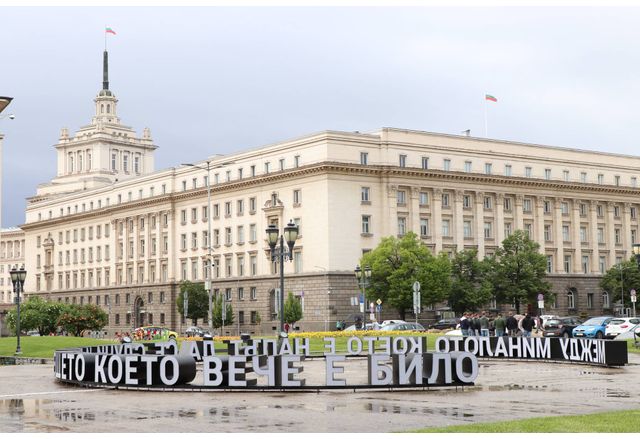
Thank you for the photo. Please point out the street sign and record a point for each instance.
(633, 299)
(379, 302)
(371, 307)
(416, 286)
(378, 308)
(541, 304)
(633, 293)
(540, 297)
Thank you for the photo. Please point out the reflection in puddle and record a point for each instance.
(406, 410)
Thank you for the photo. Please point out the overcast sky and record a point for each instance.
(217, 79)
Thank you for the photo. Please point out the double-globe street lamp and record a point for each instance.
(18, 275)
(281, 254)
(363, 276)
(636, 253)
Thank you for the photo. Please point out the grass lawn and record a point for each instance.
(608, 422)
(43, 347)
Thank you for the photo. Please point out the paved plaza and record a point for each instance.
(32, 401)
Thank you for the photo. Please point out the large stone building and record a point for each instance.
(110, 230)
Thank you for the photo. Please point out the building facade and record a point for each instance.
(12, 254)
(112, 231)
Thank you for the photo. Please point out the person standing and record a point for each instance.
(464, 325)
(512, 325)
(476, 324)
(484, 325)
(527, 325)
(499, 324)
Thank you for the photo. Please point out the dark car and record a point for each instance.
(445, 324)
(561, 326)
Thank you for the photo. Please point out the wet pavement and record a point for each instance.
(32, 401)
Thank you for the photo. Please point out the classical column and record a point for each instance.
(436, 219)
(499, 218)
(479, 201)
(538, 223)
(113, 257)
(171, 253)
(459, 220)
(518, 212)
(559, 243)
(414, 213)
(575, 236)
(626, 230)
(611, 234)
(391, 226)
(593, 229)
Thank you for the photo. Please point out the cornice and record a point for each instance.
(443, 178)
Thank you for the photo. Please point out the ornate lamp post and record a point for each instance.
(17, 279)
(363, 277)
(281, 254)
(636, 253)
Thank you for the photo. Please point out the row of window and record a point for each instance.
(11, 249)
(197, 269)
(507, 172)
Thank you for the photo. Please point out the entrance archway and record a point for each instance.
(138, 312)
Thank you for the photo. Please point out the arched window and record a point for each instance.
(101, 108)
(108, 108)
(571, 298)
(70, 163)
(79, 162)
(605, 300)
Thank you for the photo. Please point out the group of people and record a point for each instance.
(481, 324)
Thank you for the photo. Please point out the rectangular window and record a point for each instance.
(618, 236)
(297, 262)
(252, 204)
(528, 228)
(583, 209)
(547, 232)
(583, 234)
(227, 236)
(297, 196)
(402, 161)
(366, 224)
(487, 168)
(616, 211)
(425, 162)
(600, 178)
(424, 198)
(507, 230)
(617, 180)
(281, 164)
(565, 175)
(445, 228)
(567, 263)
(445, 200)
(488, 232)
(507, 203)
(547, 206)
(633, 212)
(602, 264)
(401, 197)
(585, 264)
(565, 233)
(528, 172)
(564, 208)
(424, 227)
(549, 263)
(583, 177)
(547, 174)
(446, 165)
(600, 235)
(466, 228)
(364, 158)
(402, 226)
(466, 201)
(467, 166)
(266, 167)
(600, 210)
(507, 170)
(364, 194)
(634, 182)
(487, 202)
(633, 236)
(526, 205)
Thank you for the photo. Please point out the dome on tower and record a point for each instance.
(105, 93)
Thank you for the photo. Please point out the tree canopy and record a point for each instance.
(292, 309)
(517, 272)
(39, 314)
(470, 287)
(614, 282)
(397, 263)
(198, 301)
(78, 318)
(217, 312)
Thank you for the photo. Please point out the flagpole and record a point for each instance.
(486, 126)
(105, 37)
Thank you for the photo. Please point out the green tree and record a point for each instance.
(217, 312)
(198, 301)
(619, 278)
(78, 318)
(470, 288)
(517, 272)
(37, 313)
(397, 263)
(292, 309)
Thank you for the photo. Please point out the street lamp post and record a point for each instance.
(209, 284)
(363, 277)
(185, 305)
(17, 279)
(281, 254)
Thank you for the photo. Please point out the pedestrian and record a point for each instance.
(286, 328)
(484, 325)
(476, 324)
(500, 324)
(512, 325)
(527, 325)
(464, 325)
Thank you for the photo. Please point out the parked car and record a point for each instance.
(368, 327)
(546, 317)
(445, 324)
(154, 333)
(595, 327)
(404, 326)
(629, 335)
(560, 327)
(33, 333)
(619, 325)
(195, 331)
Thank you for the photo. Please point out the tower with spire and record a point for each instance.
(102, 152)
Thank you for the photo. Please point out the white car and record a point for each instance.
(620, 325)
(629, 334)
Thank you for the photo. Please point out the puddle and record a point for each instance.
(407, 410)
